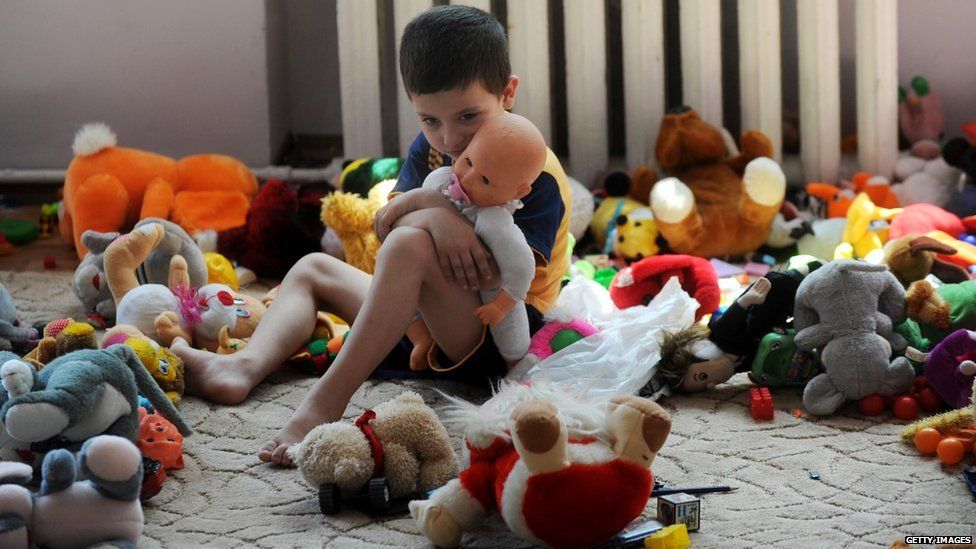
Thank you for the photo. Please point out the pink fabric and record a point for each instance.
(920, 219)
(541, 345)
(115, 339)
(189, 308)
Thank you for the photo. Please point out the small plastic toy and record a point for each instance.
(760, 404)
(680, 509)
(950, 450)
(669, 537)
(815, 475)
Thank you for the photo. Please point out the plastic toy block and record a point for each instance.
(670, 537)
(760, 404)
(680, 509)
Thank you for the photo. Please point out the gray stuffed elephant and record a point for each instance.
(91, 286)
(846, 310)
(78, 396)
(14, 336)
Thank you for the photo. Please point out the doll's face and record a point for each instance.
(502, 160)
(702, 376)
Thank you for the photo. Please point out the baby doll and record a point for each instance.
(486, 182)
(697, 359)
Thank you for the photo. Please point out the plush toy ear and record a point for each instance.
(929, 244)
(97, 242)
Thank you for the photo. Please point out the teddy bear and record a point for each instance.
(714, 205)
(400, 440)
(88, 500)
(109, 188)
(561, 470)
(277, 232)
(91, 285)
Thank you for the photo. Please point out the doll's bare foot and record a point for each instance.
(756, 294)
(308, 416)
(223, 379)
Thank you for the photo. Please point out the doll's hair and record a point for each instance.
(451, 47)
(677, 355)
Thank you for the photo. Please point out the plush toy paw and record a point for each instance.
(35, 421)
(435, 523)
(967, 367)
(926, 305)
(671, 200)
(540, 437)
(16, 506)
(764, 181)
(640, 427)
(17, 377)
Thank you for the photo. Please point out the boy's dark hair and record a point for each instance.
(449, 47)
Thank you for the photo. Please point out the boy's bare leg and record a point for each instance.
(317, 281)
(407, 277)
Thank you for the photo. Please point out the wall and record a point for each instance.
(177, 77)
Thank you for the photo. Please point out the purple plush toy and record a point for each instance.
(950, 367)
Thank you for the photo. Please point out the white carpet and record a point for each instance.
(872, 490)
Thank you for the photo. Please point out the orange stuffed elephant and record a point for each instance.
(714, 205)
(109, 188)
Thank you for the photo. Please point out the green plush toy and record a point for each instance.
(19, 231)
(779, 363)
(359, 176)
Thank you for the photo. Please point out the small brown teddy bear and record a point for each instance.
(714, 205)
(62, 336)
(401, 440)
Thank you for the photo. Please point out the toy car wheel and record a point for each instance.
(379, 495)
(330, 499)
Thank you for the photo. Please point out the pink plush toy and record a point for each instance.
(920, 219)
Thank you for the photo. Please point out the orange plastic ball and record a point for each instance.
(950, 451)
(927, 440)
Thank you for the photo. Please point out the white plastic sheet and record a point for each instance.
(621, 359)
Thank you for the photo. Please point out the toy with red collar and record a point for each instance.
(639, 283)
(399, 449)
(559, 470)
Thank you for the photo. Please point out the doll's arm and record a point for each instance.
(498, 231)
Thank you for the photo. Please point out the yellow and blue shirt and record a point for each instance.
(543, 219)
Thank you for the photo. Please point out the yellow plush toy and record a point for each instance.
(866, 231)
(351, 217)
(635, 235)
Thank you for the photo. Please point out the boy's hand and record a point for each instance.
(463, 258)
(387, 216)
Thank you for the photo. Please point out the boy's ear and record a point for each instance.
(508, 94)
(523, 190)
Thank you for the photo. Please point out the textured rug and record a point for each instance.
(872, 488)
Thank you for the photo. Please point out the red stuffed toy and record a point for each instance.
(552, 482)
(922, 218)
(639, 283)
(278, 232)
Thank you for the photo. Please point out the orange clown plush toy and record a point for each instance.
(109, 188)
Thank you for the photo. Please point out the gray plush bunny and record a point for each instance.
(14, 336)
(91, 285)
(846, 310)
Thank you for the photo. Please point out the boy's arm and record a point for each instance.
(541, 215)
(427, 196)
(498, 231)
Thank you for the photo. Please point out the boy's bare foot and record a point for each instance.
(304, 420)
(217, 378)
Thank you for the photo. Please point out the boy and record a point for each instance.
(454, 61)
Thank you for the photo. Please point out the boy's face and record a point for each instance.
(449, 119)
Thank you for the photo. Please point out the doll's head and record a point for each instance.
(502, 160)
(690, 362)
